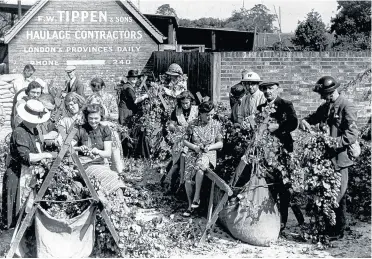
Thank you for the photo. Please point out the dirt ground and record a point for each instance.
(355, 244)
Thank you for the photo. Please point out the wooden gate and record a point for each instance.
(199, 68)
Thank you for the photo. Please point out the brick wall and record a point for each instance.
(297, 71)
(50, 56)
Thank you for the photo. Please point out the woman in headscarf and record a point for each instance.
(203, 138)
(25, 150)
(130, 101)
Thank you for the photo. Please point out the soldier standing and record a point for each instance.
(338, 113)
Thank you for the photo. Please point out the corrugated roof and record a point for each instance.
(39, 4)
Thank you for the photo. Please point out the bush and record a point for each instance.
(358, 195)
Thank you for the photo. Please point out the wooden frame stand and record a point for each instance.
(22, 225)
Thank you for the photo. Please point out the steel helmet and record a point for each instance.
(174, 70)
(251, 77)
(326, 84)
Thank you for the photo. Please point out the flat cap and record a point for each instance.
(267, 84)
(70, 68)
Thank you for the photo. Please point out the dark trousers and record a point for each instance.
(281, 194)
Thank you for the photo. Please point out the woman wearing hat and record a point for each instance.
(25, 149)
(93, 142)
(129, 99)
(203, 137)
(175, 83)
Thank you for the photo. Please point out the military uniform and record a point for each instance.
(340, 117)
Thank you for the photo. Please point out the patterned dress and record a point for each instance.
(206, 135)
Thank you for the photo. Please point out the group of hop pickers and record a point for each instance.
(35, 131)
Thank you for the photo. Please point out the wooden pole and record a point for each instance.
(213, 40)
(170, 32)
(255, 38)
(19, 9)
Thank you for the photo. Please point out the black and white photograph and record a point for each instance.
(185, 128)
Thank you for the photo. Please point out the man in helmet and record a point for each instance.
(253, 98)
(338, 114)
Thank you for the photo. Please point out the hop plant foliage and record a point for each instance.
(322, 182)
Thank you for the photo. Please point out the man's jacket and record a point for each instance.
(285, 116)
(340, 117)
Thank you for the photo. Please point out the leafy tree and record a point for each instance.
(5, 21)
(202, 23)
(311, 34)
(352, 25)
(258, 17)
(165, 9)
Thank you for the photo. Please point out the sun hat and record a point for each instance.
(251, 77)
(174, 70)
(33, 111)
